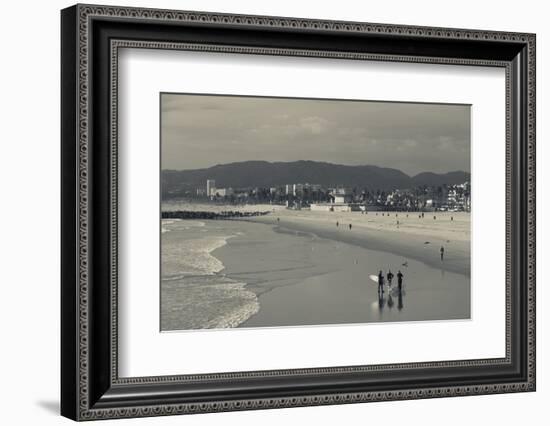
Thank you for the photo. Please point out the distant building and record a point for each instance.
(340, 201)
(336, 207)
(289, 189)
(340, 198)
(297, 189)
(211, 187)
(223, 192)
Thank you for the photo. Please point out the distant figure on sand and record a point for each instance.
(442, 252)
(278, 219)
(380, 282)
(337, 224)
(389, 276)
(399, 280)
(350, 226)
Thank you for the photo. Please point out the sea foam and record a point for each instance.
(195, 292)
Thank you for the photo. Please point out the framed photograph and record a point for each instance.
(263, 212)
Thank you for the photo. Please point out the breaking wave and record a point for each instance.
(195, 294)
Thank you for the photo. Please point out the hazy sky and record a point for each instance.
(202, 131)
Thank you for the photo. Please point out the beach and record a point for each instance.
(420, 238)
(298, 268)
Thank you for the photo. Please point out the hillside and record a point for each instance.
(266, 174)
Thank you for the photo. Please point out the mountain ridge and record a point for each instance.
(258, 173)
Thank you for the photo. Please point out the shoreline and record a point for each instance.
(406, 244)
(303, 270)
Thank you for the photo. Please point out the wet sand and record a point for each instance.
(304, 278)
(416, 238)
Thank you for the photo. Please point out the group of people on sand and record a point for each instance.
(389, 277)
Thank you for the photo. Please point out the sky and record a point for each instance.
(200, 131)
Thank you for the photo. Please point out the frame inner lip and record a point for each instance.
(115, 45)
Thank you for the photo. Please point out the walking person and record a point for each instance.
(389, 276)
(399, 280)
(442, 252)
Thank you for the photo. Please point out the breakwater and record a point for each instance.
(230, 214)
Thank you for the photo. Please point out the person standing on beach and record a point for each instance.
(442, 252)
(337, 224)
(350, 226)
(399, 280)
(389, 277)
(380, 282)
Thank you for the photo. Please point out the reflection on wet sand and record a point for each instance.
(389, 301)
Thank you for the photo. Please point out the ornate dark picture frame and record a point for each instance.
(91, 37)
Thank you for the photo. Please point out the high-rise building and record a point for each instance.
(289, 189)
(210, 187)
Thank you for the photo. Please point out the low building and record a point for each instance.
(341, 198)
(223, 192)
(336, 207)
